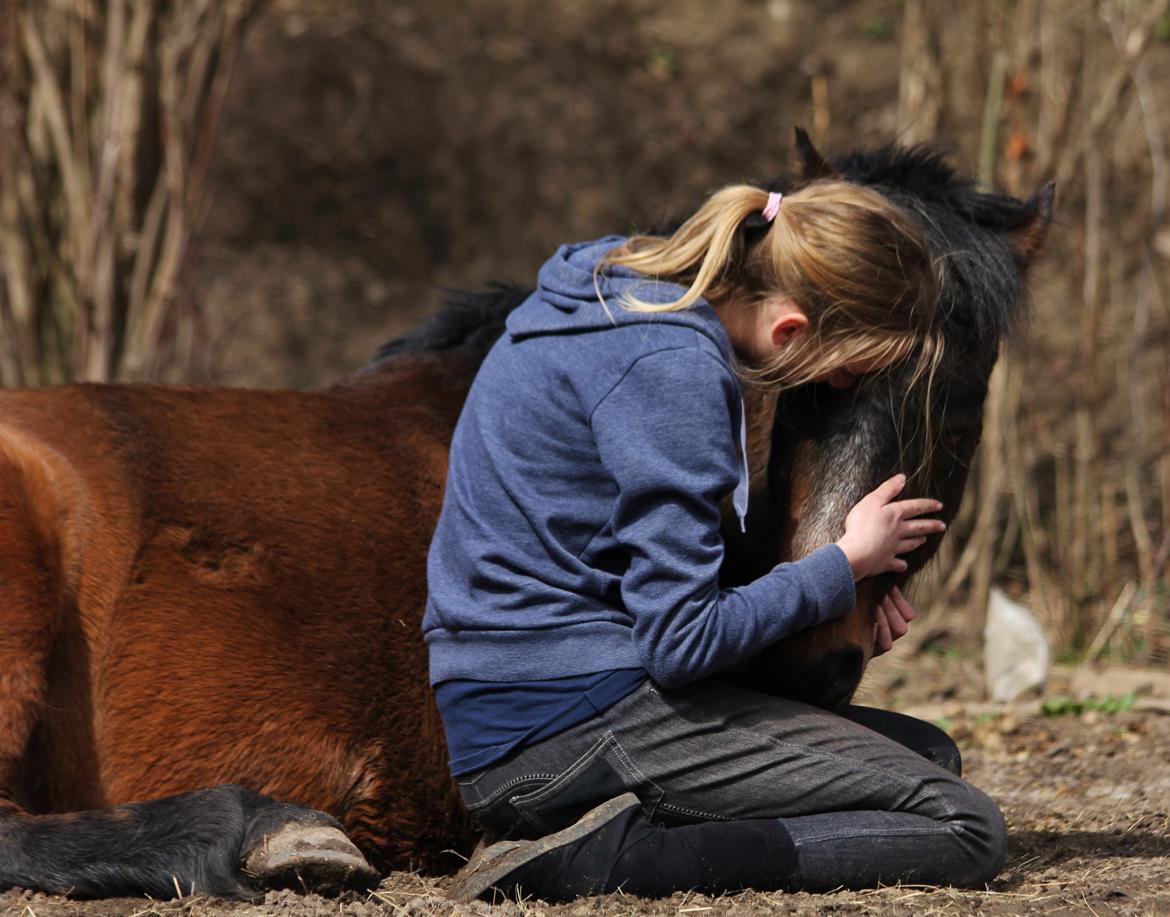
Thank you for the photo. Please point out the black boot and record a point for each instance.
(568, 864)
(615, 846)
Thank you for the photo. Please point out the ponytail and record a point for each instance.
(854, 262)
(701, 251)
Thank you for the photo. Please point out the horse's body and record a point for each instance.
(212, 586)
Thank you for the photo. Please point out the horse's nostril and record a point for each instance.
(850, 665)
(839, 675)
(830, 681)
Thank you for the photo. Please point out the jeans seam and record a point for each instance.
(884, 832)
(950, 810)
(566, 776)
(695, 813)
(504, 787)
(471, 780)
(625, 762)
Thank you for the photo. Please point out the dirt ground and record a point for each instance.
(1087, 801)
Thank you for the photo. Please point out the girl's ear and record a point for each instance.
(786, 326)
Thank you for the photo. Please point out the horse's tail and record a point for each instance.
(469, 321)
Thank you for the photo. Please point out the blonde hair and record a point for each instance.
(855, 263)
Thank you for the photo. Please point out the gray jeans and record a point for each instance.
(863, 803)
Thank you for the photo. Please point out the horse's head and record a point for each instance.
(830, 447)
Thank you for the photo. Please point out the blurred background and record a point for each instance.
(248, 193)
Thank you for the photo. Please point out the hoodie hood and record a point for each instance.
(565, 301)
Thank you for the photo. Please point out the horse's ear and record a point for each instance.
(1029, 238)
(810, 164)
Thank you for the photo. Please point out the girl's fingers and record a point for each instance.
(892, 621)
(882, 641)
(887, 490)
(897, 624)
(917, 507)
(905, 609)
(909, 544)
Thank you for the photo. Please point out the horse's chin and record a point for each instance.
(830, 681)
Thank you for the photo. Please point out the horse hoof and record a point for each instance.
(309, 858)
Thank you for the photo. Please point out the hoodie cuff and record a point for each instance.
(828, 579)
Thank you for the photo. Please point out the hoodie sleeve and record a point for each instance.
(666, 434)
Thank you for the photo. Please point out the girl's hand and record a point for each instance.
(878, 529)
(894, 615)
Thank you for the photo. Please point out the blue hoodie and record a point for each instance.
(580, 524)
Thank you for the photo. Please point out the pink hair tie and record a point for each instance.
(773, 206)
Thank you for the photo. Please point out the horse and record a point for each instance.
(212, 676)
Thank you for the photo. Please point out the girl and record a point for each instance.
(575, 624)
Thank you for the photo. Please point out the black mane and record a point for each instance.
(471, 320)
(983, 298)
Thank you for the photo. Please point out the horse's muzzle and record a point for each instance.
(831, 680)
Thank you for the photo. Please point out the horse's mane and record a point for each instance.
(923, 171)
(983, 295)
(961, 223)
(469, 320)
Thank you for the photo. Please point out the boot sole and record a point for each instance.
(496, 861)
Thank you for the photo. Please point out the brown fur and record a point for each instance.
(204, 586)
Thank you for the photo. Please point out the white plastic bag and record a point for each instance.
(1015, 650)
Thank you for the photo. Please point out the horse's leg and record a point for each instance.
(30, 614)
(223, 841)
(226, 841)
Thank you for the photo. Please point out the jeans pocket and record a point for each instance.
(600, 774)
(495, 813)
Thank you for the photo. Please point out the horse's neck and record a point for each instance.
(760, 406)
(752, 553)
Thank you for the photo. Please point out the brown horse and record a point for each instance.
(223, 588)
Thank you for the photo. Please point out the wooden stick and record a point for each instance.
(992, 108)
(1112, 620)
